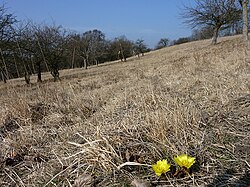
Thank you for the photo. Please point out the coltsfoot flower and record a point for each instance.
(161, 167)
(184, 160)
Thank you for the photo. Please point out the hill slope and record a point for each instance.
(192, 98)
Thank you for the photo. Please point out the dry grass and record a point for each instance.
(192, 98)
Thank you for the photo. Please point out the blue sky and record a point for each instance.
(149, 20)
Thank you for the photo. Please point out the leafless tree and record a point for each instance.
(22, 53)
(49, 44)
(6, 35)
(216, 13)
(122, 47)
(162, 43)
(140, 47)
(91, 46)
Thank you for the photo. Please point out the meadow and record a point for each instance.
(192, 98)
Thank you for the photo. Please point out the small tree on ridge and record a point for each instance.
(215, 13)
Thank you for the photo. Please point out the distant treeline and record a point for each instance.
(28, 48)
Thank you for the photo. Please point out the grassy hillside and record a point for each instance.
(192, 98)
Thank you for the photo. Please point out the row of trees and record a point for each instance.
(28, 48)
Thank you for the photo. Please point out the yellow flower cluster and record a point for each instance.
(162, 166)
(184, 160)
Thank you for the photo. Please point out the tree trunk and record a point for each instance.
(3, 77)
(55, 74)
(86, 63)
(39, 77)
(33, 67)
(245, 21)
(27, 78)
(5, 66)
(17, 71)
(73, 58)
(39, 72)
(215, 35)
(122, 53)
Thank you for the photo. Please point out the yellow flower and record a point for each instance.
(161, 167)
(184, 160)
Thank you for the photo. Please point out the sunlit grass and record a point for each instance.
(191, 98)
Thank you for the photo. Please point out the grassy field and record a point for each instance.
(192, 98)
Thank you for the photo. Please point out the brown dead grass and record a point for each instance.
(192, 98)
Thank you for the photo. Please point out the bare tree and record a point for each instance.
(71, 49)
(91, 46)
(122, 48)
(49, 48)
(22, 54)
(6, 35)
(162, 43)
(140, 47)
(216, 13)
